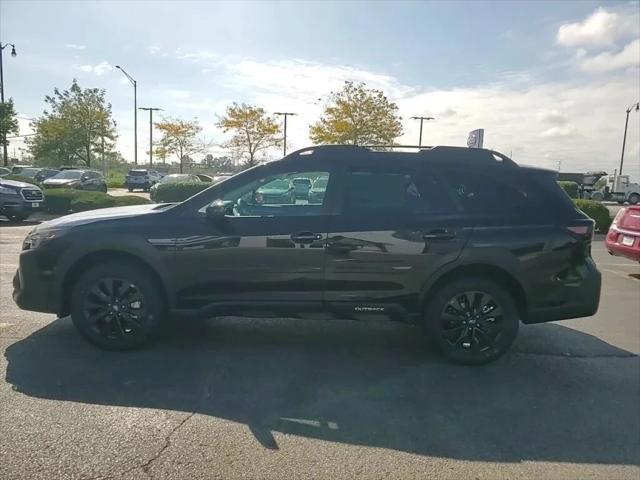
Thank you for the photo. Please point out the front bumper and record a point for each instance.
(20, 207)
(581, 297)
(35, 289)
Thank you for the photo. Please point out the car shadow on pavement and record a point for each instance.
(559, 394)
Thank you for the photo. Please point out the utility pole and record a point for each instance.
(422, 119)
(285, 115)
(150, 110)
(4, 137)
(135, 113)
(635, 107)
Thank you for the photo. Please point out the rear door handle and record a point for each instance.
(306, 237)
(440, 234)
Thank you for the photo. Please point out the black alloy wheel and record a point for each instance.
(472, 321)
(114, 309)
(117, 306)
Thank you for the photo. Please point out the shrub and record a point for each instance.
(177, 192)
(64, 200)
(84, 201)
(115, 180)
(127, 200)
(59, 200)
(570, 188)
(597, 212)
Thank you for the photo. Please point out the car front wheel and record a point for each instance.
(117, 306)
(472, 321)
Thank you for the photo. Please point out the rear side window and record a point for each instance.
(402, 192)
(526, 193)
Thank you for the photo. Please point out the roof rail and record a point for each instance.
(473, 154)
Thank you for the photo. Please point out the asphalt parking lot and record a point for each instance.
(279, 399)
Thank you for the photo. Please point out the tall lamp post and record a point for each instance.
(285, 115)
(4, 137)
(636, 107)
(135, 113)
(422, 119)
(150, 110)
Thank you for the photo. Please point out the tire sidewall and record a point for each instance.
(149, 290)
(433, 324)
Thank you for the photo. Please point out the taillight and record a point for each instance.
(618, 216)
(581, 230)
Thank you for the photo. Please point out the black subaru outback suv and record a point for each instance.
(461, 241)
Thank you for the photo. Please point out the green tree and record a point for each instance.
(180, 138)
(8, 121)
(76, 126)
(357, 115)
(253, 131)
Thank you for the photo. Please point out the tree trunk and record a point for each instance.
(88, 150)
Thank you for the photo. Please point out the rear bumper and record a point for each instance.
(614, 244)
(138, 184)
(33, 289)
(581, 297)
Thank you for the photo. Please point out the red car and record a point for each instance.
(623, 238)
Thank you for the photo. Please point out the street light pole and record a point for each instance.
(422, 119)
(150, 110)
(135, 113)
(635, 107)
(4, 136)
(285, 115)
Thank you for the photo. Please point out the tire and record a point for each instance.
(128, 323)
(473, 339)
(130, 189)
(597, 196)
(634, 198)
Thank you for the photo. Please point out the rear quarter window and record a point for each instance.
(523, 194)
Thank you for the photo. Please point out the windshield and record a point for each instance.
(68, 174)
(29, 172)
(137, 173)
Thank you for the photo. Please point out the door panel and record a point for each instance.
(268, 248)
(251, 259)
(384, 254)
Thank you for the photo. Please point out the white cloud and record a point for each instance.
(629, 56)
(99, 69)
(74, 46)
(578, 122)
(551, 116)
(306, 81)
(602, 27)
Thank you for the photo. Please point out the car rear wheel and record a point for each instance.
(116, 306)
(472, 321)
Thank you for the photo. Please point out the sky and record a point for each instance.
(548, 81)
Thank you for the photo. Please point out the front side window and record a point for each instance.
(278, 195)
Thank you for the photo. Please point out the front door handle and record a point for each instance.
(306, 237)
(440, 234)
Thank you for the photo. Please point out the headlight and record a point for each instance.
(8, 191)
(37, 238)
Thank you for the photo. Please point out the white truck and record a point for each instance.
(619, 189)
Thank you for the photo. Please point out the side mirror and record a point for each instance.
(217, 210)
